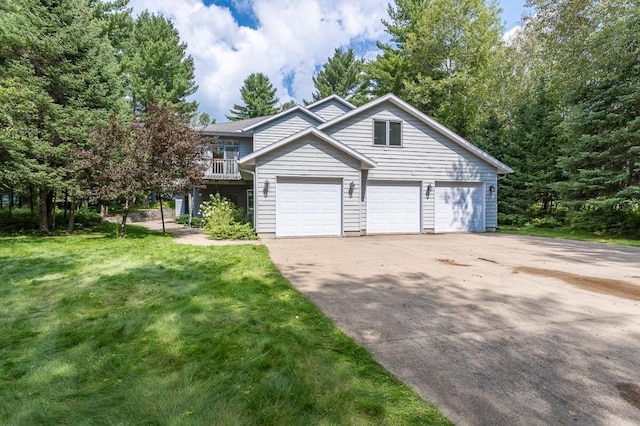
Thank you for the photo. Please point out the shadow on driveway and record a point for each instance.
(487, 345)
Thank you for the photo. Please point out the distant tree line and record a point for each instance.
(92, 104)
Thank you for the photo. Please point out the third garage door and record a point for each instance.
(393, 207)
(459, 207)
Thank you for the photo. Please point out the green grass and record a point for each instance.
(97, 330)
(568, 233)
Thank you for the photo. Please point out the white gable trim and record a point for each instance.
(329, 98)
(282, 114)
(366, 162)
(390, 97)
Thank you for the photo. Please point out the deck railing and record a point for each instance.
(218, 168)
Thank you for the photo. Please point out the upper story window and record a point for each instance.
(387, 133)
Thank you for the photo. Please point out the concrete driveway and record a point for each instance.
(493, 328)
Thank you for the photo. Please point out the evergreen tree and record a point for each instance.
(603, 161)
(259, 97)
(341, 75)
(62, 74)
(158, 68)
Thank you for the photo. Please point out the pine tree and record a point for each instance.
(341, 75)
(259, 97)
(61, 69)
(157, 65)
(603, 161)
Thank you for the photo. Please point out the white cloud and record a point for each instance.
(293, 37)
(509, 36)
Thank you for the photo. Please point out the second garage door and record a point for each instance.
(393, 207)
(459, 207)
(308, 208)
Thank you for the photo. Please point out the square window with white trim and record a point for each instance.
(387, 133)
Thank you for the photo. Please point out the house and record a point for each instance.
(333, 169)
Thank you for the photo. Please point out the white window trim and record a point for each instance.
(387, 133)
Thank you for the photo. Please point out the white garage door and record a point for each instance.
(459, 207)
(308, 208)
(393, 207)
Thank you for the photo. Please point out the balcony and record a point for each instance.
(219, 169)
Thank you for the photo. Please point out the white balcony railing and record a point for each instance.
(218, 168)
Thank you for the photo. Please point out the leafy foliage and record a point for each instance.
(129, 159)
(259, 97)
(224, 221)
(441, 57)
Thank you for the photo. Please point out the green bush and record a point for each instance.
(224, 221)
(512, 219)
(22, 220)
(545, 222)
(607, 219)
(196, 222)
(234, 231)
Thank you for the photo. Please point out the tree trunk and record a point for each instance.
(66, 200)
(32, 206)
(72, 216)
(125, 213)
(51, 212)
(44, 218)
(161, 213)
(11, 203)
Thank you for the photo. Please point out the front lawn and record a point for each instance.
(97, 330)
(568, 233)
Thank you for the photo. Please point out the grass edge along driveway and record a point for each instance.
(97, 330)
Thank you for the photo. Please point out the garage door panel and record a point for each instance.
(459, 207)
(308, 208)
(393, 208)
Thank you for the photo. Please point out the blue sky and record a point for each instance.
(288, 40)
(511, 11)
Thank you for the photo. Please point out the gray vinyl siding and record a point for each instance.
(330, 109)
(281, 128)
(306, 158)
(425, 155)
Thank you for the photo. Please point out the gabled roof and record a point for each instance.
(502, 168)
(231, 126)
(366, 162)
(329, 98)
(282, 114)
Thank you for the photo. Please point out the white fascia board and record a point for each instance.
(365, 161)
(282, 114)
(329, 98)
(502, 168)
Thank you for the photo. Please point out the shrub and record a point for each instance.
(607, 219)
(512, 219)
(234, 231)
(545, 222)
(224, 221)
(183, 219)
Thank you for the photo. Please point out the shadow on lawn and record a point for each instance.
(210, 339)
